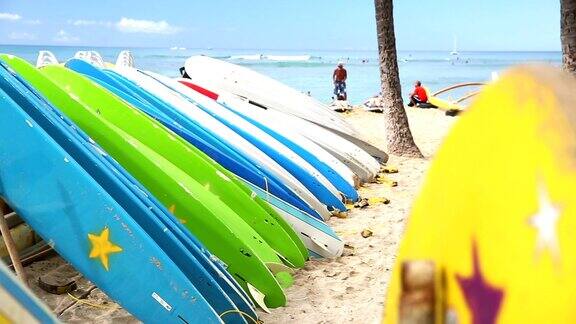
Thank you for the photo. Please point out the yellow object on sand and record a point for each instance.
(492, 236)
(389, 169)
(441, 103)
(444, 104)
(382, 179)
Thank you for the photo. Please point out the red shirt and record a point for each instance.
(340, 74)
(421, 93)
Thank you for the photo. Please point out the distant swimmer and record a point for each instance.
(339, 77)
(418, 96)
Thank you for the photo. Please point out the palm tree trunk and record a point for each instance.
(568, 34)
(398, 133)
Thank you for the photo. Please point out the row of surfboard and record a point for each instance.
(184, 200)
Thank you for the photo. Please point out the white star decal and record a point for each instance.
(544, 221)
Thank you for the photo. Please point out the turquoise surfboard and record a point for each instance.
(66, 206)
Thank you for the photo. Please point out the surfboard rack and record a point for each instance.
(458, 85)
(10, 245)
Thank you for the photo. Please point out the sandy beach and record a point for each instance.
(347, 289)
(351, 289)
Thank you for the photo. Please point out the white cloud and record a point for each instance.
(129, 25)
(33, 22)
(9, 16)
(21, 36)
(83, 22)
(64, 37)
(16, 17)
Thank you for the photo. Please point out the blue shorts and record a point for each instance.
(339, 87)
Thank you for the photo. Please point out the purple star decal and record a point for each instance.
(483, 299)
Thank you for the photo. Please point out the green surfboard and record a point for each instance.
(249, 257)
(187, 158)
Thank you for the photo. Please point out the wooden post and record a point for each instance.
(418, 298)
(10, 246)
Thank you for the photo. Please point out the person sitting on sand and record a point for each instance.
(339, 77)
(418, 96)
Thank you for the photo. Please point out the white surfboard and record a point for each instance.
(224, 133)
(360, 162)
(271, 94)
(244, 108)
(356, 159)
(264, 90)
(317, 236)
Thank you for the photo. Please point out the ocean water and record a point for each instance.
(311, 71)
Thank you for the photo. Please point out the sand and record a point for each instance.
(351, 288)
(347, 289)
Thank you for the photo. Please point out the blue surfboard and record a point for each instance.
(18, 304)
(68, 208)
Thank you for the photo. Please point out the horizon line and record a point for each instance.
(281, 49)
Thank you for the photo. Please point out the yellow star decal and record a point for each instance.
(102, 247)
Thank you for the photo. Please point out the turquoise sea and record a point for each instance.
(311, 71)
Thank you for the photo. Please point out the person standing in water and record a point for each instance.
(418, 96)
(339, 77)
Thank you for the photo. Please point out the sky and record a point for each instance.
(490, 25)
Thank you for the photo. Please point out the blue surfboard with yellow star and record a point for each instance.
(211, 279)
(68, 208)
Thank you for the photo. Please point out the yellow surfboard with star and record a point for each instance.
(492, 236)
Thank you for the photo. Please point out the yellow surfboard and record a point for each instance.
(442, 104)
(492, 236)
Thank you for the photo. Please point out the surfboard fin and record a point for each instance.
(285, 260)
(279, 267)
(320, 245)
(258, 297)
(46, 58)
(125, 59)
(91, 57)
